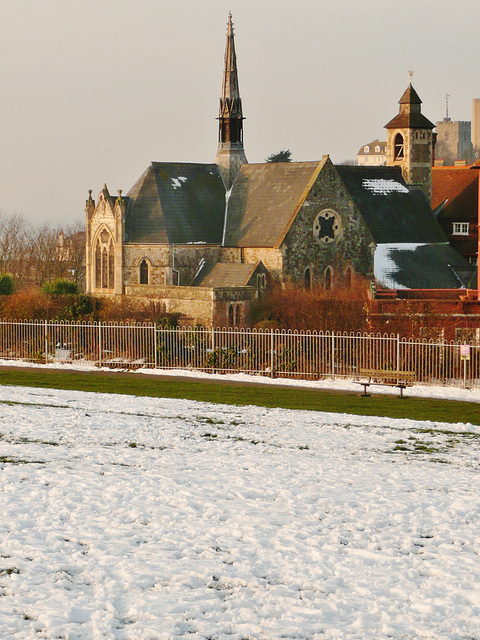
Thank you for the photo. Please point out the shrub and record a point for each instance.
(316, 309)
(60, 287)
(6, 285)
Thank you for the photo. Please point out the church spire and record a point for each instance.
(230, 153)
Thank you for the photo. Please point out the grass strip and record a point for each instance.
(241, 393)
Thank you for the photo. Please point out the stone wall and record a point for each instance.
(352, 246)
(165, 260)
(199, 305)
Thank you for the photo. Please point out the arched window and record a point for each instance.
(348, 277)
(144, 272)
(328, 279)
(261, 281)
(308, 279)
(398, 148)
(104, 261)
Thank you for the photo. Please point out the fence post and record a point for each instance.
(155, 357)
(333, 355)
(272, 361)
(398, 352)
(99, 343)
(46, 342)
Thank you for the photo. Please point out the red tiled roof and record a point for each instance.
(448, 183)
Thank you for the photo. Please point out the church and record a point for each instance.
(206, 239)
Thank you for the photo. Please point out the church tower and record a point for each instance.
(230, 153)
(410, 142)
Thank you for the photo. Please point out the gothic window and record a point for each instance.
(261, 281)
(328, 279)
(144, 272)
(98, 267)
(104, 261)
(398, 147)
(308, 278)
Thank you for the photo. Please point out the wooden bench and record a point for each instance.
(388, 377)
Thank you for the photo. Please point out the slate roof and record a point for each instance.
(264, 201)
(422, 266)
(227, 274)
(176, 203)
(392, 211)
(459, 187)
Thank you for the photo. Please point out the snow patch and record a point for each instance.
(177, 182)
(385, 267)
(381, 187)
(161, 518)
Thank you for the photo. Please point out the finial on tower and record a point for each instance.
(410, 75)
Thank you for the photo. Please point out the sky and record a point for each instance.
(95, 90)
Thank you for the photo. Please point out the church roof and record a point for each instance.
(421, 266)
(228, 274)
(392, 211)
(176, 203)
(264, 201)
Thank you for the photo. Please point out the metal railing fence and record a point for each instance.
(293, 354)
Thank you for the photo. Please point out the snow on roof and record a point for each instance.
(177, 182)
(382, 187)
(385, 268)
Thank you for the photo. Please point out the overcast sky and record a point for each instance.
(94, 90)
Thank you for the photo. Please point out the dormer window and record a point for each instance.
(366, 149)
(460, 228)
(377, 149)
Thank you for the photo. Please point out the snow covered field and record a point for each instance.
(138, 518)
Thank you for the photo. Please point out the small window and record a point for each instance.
(328, 279)
(144, 272)
(234, 314)
(366, 149)
(261, 281)
(348, 278)
(460, 228)
(308, 279)
(377, 149)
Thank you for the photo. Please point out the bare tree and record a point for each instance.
(13, 243)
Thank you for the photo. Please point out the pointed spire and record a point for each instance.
(230, 101)
(230, 153)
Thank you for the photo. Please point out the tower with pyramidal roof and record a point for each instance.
(410, 142)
